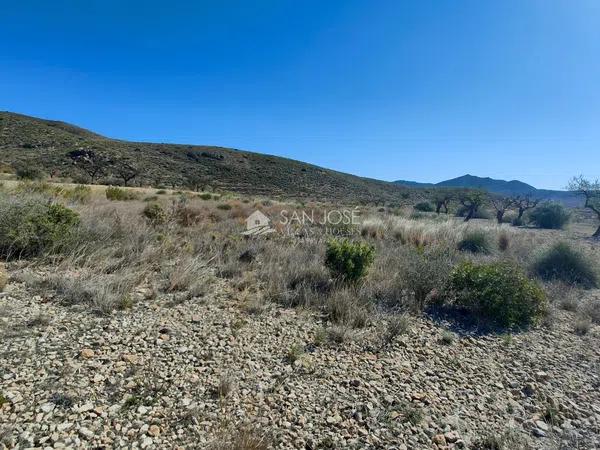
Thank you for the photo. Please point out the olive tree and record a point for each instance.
(591, 191)
(501, 204)
(472, 201)
(442, 199)
(524, 203)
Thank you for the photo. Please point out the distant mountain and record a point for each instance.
(501, 187)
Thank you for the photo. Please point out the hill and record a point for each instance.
(501, 187)
(45, 144)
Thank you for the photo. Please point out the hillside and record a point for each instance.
(28, 141)
(501, 187)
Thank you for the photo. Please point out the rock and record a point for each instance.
(439, 439)
(87, 353)
(154, 430)
(452, 436)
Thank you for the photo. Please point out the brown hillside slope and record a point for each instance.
(29, 141)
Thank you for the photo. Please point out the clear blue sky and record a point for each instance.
(420, 90)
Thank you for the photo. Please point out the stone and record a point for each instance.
(154, 430)
(87, 353)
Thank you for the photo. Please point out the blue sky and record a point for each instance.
(419, 90)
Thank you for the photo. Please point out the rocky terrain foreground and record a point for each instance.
(188, 374)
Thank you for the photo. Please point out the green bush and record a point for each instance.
(424, 207)
(563, 262)
(29, 173)
(224, 206)
(32, 227)
(348, 260)
(79, 193)
(155, 214)
(550, 215)
(476, 241)
(498, 292)
(480, 213)
(205, 196)
(161, 192)
(119, 194)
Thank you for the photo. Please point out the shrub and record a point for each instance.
(348, 260)
(563, 262)
(161, 192)
(517, 222)
(155, 214)
(79, 193)
(3, 277)
(480, 213)
(550, 215)
(424, 207)
(224, 206)
(31, 227)
(205, 196)
(503, 241)
(408, 278)
(498, 292)
(29, 173)
(118, 194)
(475, 242)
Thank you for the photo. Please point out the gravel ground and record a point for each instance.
(182, 375)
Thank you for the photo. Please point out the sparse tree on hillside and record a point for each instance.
(524, 203)
(591, 191)
(472, 201)
(501, 204)
(126, 171)
(442, 199)
(194, 182)
(92, 163)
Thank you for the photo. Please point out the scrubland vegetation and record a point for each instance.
(343, 307)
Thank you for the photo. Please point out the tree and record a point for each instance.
(92, 163)
(524, 203)
(126, 171)
(442, 199)
(591, 191)
(472, 201)
(501, 204)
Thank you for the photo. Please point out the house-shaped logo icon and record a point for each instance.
(257, 223)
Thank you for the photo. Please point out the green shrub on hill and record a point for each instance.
(424, 207)
(553, 216)
(476, 241)
(563, 262)
(497, 292)
(348, 260)
(30, 227)
(118, 194)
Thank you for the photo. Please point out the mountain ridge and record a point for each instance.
(500, 187)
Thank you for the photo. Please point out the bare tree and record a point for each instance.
(591, 191)
(126, 171)
(442, 199)
(501, 204)
(524, 203)
(472, 201)
(92, 163)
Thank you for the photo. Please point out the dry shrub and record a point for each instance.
(293, 273)
(103, 294)
(185, 273)
(242, 438)
(591, 309)
(345, 306)
(3, 277)
(373, 227)
(406, 277)
(503, 241)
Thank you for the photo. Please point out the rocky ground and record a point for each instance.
(188, 374)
